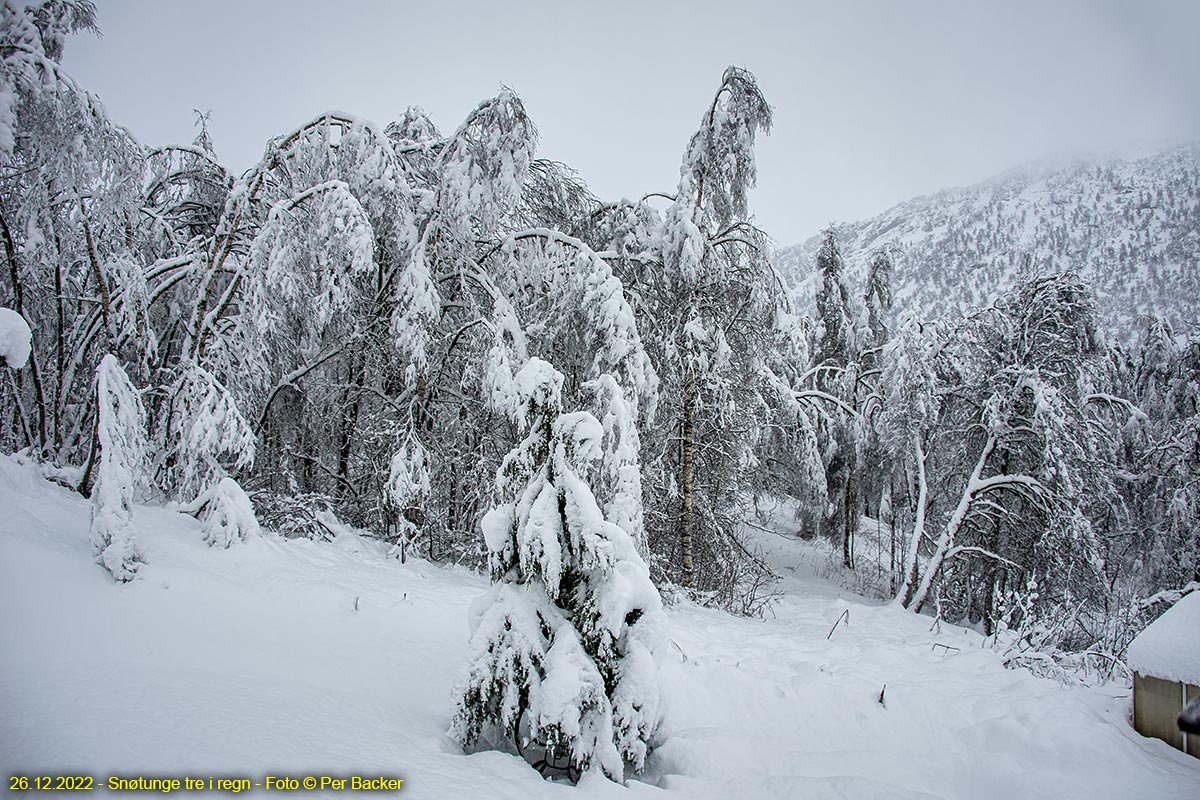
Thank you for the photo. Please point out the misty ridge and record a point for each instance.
(981, 406)
(1127, 227)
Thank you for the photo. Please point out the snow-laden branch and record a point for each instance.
(815, 394)
(1120, 402)
(199, 152)
(1169, 595)
(960, 549)
(289, 380)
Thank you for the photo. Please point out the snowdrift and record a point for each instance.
(293, 658)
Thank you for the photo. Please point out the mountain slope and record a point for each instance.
(1130, 228)
(291, 657)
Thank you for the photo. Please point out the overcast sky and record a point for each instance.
(875, 102)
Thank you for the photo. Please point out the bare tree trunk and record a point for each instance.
(892, 530)
(850, 516)
(60, 346)
(85, 487)
(60, 327)
(353, 394)
(918, 532)
(98, 274)
(19, 301)
(685, 511)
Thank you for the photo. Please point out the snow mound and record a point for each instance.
(16, 340)
(1170, 647)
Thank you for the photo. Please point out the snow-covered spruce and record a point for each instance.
(119, 469)
(556, 660)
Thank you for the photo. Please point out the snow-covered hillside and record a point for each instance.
(291, 657)
(1130, 228)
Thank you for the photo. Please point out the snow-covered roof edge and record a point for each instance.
(1169, 648)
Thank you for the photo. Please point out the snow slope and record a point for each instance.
(253, 661)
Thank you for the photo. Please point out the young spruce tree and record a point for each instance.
(556, 661)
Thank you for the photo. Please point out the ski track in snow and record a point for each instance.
(253, 661)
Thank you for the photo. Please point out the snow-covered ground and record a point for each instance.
(255, 661)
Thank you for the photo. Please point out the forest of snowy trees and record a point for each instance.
(446, 340)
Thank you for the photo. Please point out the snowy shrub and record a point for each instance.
(226, 513)
(119, 469)
(556, 662)
(294, 516)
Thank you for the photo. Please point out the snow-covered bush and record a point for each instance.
(297, 516)
(556, 661)
(119, 469)
(225, 511)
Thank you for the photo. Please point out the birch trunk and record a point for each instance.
(918, 531)
(946, 540)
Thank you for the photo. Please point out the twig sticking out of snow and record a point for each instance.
(844, 615)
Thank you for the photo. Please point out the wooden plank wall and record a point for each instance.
(1156, 705)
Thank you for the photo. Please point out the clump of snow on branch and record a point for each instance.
(16, 340)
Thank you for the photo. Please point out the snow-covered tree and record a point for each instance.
(1151, 410)
(791, 461)
(556, 661)
(66, 213)
(835, 361)
(710, 309)
(119, 468)
(873, 474)
(908, 417)
(877, 298)
(1014, 452)
(834, 339)
(407, 491)
(204, 427)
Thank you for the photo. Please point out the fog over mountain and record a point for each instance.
(1131, 229)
